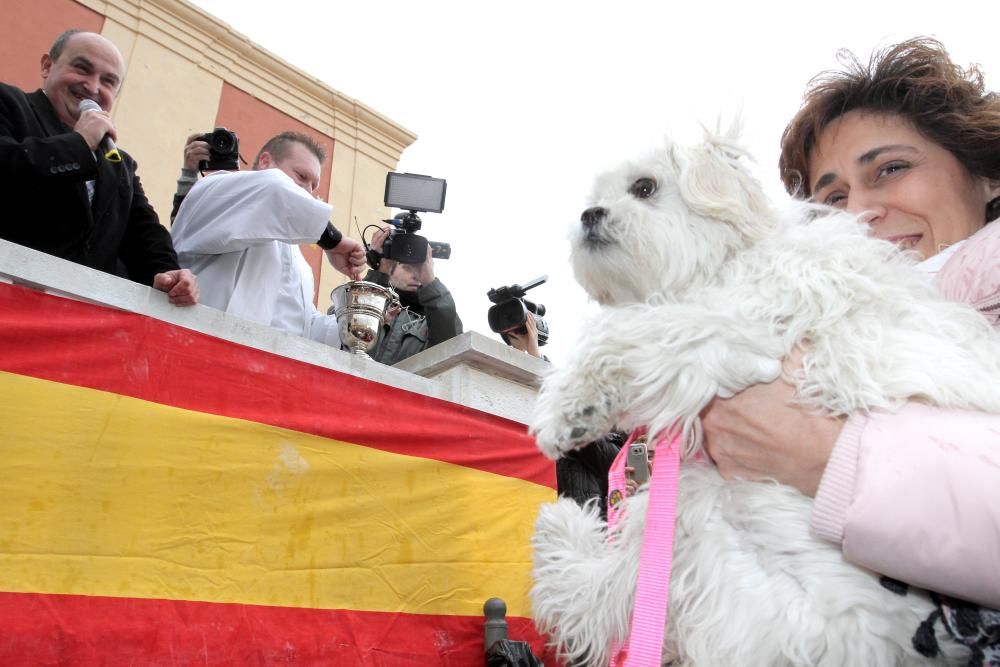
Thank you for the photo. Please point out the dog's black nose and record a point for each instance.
(593, 217)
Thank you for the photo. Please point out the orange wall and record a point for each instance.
(255, 122)
(29, 28)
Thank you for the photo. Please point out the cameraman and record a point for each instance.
(195, 150)
(581, 474)
(428, 315)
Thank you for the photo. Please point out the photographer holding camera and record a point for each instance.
(427, 315)
(581, 474)
(195, 151)
(218, 150)
(238, 231)
(519, 322)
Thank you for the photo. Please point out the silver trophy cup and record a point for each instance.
(360, 308)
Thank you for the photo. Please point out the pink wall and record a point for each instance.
(28, 30)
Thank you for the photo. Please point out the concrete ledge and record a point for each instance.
(487, 374)
(470, 370)
(477, 351)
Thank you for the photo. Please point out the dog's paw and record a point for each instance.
(577, 404)
(577, 598)
(560, 428)
(744, 370)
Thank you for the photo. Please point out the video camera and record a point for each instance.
(412, 192)
(223, 150)
(510, 314)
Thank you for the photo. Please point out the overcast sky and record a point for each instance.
(519, 104)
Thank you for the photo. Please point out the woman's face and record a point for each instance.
(912, 191)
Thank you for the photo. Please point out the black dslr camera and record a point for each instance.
(223, 150)
(412, 192)
(510, 314)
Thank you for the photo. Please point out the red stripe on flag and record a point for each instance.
(76, 343)
(80, 630)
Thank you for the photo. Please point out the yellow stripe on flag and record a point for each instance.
(108, 495)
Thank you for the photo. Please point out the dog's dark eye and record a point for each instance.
(643, 188)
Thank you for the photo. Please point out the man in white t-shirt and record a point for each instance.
(238, 232)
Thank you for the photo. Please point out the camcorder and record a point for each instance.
(413, 193)
(223, 150)
(509, 314)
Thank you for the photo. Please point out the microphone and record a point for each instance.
(111, 153)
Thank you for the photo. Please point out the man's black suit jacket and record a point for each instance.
(44, 169)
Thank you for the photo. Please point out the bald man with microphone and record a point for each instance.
(68, 191)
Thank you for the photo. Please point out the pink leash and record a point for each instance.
(652, 594)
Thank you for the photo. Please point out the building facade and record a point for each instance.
(189, 72)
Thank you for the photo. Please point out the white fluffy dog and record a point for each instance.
(706, 286)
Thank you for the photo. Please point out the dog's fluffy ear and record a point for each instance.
(716, 183)
(730, 136)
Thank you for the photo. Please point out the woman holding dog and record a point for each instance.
(912, 142)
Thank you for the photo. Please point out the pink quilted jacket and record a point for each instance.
(915, 495)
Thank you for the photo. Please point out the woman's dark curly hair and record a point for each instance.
(915, 79)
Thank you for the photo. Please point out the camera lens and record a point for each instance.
(507, 316)
(406, 248)
(222, 141)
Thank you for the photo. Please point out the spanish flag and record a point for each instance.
(171, 498)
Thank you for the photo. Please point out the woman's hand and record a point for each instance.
(762, 434)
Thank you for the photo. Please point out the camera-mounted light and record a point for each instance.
(415, 192)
